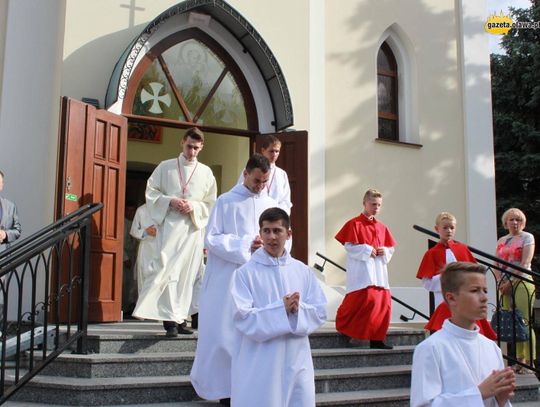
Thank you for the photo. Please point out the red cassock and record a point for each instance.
(365, 313)
(432, 264)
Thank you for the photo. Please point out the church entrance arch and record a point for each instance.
(202, 64)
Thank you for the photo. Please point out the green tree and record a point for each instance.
(516, 113)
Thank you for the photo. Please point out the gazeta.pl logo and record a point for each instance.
(498, 24)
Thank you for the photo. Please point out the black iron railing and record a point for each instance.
(404, 304)
(523, 288)
(44, 296)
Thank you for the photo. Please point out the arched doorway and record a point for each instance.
(198, 63)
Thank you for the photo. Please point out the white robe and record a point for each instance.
(278, 187)
(449, 366)
(273, 366)
(148, 250)
(180, 237)
(233, 225)
(363, 270)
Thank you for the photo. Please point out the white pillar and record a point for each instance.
(477, 123)
(29, 107)
(317, 128)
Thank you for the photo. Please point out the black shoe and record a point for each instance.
(171, 332)
(379, 345)
(195, 321)
(183, 329)
(225, 402)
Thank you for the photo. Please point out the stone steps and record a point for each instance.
(174, 363)
(135, 364)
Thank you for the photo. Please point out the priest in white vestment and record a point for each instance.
(179, 196)
(457, 366)
(144, 230)
(277, 186)
(232, 235)
(273, 365)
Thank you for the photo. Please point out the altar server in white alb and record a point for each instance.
(278, 302)
(180, 194)
(457, 366)
(277, 186)
(232, 235)
(143, 229)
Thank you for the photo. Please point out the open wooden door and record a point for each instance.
(293, 158)
(92, 168)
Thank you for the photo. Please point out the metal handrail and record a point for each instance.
(59, 252)
(507, 270)
(402, 317)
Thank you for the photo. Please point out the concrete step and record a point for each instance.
(362, 378)
(158, 342)
(358, 357)
(174, 363)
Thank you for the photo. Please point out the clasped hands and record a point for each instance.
(181, 205)
(377, 252)
(3, 235)
(292, 302)
(499, 384)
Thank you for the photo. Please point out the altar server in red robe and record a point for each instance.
(435, 259)
(365, 311)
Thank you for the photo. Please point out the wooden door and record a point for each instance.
(293, 158)
(92, 168)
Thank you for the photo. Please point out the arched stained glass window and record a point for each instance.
(190, 79)
(387, 94)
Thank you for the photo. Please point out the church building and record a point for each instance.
(390, 94)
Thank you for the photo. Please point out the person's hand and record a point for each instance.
(257, 242)
(3, 235)
(373, 252)
(499, 384)
(151, 231)
(186, 207)
(292, 302)
(380, 251)
(176, 204)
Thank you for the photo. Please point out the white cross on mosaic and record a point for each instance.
(155, 97)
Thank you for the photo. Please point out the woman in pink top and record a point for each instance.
(517, 247)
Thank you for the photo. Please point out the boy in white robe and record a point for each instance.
(457, 366)
(232, 235)
(144, 230)
(278, 302)
(277, 186)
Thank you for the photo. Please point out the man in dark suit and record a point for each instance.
(10, 228)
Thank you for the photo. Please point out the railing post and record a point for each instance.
(85, 276)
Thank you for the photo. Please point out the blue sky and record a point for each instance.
(495, 6)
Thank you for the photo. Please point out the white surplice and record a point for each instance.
(167, 296)
(277, 187)
(233, 225)
(273, 364)
(449, 366)
(364, 270)
(148, 250)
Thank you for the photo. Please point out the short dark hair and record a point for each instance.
(258, 161)
(274, 215)
(269, 140)
(195, 134)
(452, 275)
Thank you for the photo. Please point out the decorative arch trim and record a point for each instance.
(239, 27)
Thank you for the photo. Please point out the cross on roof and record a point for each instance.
(132, 8)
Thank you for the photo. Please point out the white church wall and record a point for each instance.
(29, 108)
(417, 183)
